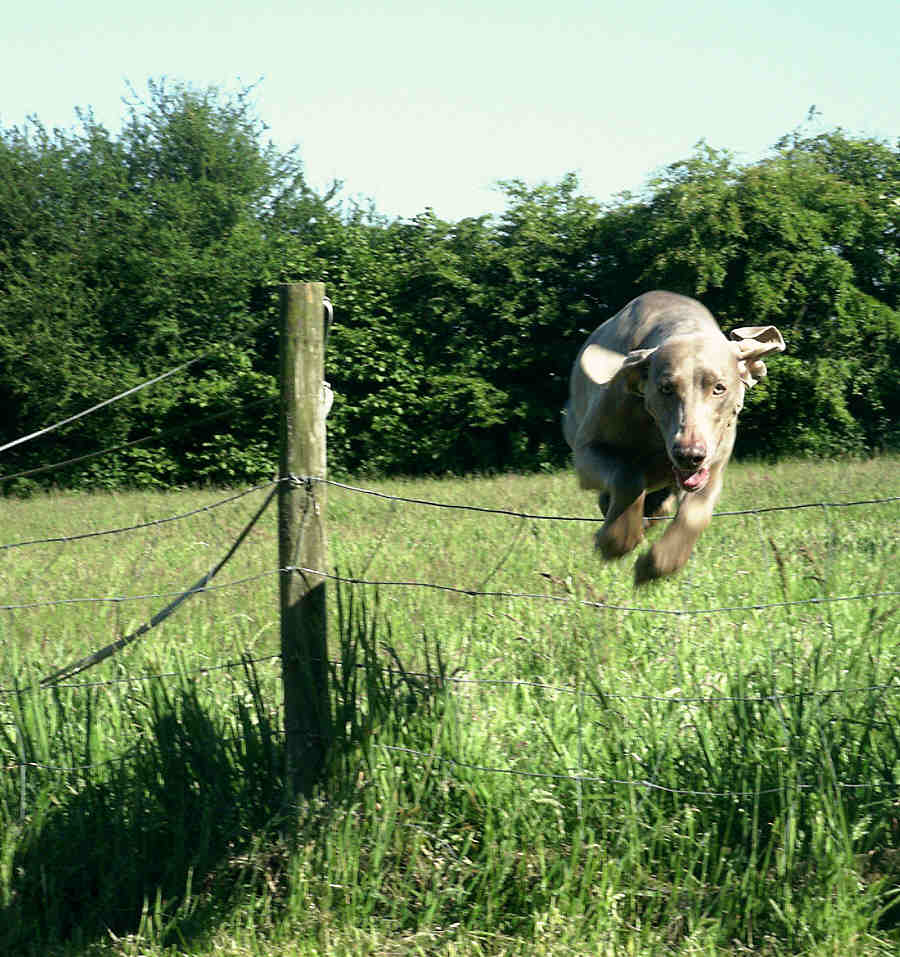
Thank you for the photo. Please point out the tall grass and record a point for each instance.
(510, 775)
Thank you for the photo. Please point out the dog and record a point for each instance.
(651, 419)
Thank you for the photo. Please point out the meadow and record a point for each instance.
(532, 758)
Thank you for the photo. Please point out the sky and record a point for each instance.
(414, 104)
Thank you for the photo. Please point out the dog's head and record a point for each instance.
(693, 387)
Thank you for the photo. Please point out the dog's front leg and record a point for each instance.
(623, 528)
(622, 490)
(673, 550)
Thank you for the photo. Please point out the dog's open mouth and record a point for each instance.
(691, 481)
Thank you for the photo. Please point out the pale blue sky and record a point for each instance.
(419, 104)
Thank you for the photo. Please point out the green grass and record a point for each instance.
(510, 775)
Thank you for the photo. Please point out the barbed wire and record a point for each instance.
(58, 679)
(329, 314)
(443, 679)
(191, 673)
(39, 765)
(574, 775)
(581, 778)
(100, 405)
(772, 698)
(570, 774)
(386, 496)
(204, 583)
(577, 518)
(147, 596)
(472, 592)
(152, 523)
(453, 589)
(101, 654)
(588, 603)
(166, 433)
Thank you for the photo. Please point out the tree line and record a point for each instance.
(123, 255)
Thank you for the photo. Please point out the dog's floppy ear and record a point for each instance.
(600, 364)
(635, 369)
(751, 343)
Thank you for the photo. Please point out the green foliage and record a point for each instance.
(122, 256)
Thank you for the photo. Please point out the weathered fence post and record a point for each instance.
(301, 534)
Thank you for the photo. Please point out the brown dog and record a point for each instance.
(655, 394)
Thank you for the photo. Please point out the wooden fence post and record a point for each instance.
(301, 534)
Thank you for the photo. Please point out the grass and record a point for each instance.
(509, 775)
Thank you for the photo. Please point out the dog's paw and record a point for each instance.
(646, 569)
(655, 563)
(616, 543)
(658, 562)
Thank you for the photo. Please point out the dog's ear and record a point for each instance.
(751, 343)
(635, 369)
(600, 364)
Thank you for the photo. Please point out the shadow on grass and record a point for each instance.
(158, 842)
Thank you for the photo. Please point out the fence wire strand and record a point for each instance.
(152, 523)
(578, 518)
(203, 586)
(588, 603)
(100, 405)
(101, 654)
(177, 430)
(433, 756)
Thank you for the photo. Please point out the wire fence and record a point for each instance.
(271, 487)
(62, 678)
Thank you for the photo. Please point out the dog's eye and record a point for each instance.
(720, 388)
(666, 388)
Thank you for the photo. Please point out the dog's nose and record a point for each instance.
(689, 456)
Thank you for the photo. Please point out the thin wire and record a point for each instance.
(100, 405)
(121, 599)
(642, 783)
(131, 528)
(63, 770)
(493, 682)
(565, 599)
(638, 782)
(470, 592)
(432, 756)
(577, 518)
(615, 696)
(201, 672)
(103, 653)
(204, 671)
(127, 445)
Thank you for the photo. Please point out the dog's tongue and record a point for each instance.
(694, 480)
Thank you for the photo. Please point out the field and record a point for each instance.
(535, 759)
